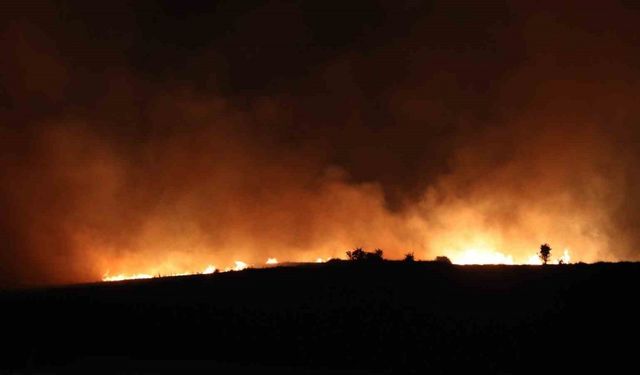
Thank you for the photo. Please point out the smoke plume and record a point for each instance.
(158, 138)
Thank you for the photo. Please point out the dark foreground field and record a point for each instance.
(334, 318)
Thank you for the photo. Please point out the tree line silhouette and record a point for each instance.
(360, 255)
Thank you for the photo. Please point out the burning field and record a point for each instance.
(173, 169)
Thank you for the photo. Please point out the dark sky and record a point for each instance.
(162, 136)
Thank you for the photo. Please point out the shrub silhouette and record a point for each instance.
(545, 253)
(409, 257)
(377, 254)
(359, 255)
(356, 254)
(443, 259)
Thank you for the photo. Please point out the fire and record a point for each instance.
(239, 266)
(488, 256)
(565, 258)
(126, 277)
(210, 269)
(534, 260)
(482, 256)
(479, 253)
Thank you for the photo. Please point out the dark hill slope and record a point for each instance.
(388, 316)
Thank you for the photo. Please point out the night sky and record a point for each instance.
(163, 136)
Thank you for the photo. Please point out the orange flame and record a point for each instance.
(208, 270)
(479, 253)
(482, 256)
(126, 277)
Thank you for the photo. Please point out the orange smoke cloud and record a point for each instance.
(524, 136)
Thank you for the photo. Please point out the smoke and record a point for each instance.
(127, 145)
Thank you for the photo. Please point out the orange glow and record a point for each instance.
(240, 265)
(480, 253)
(565, 258)
(161, 177)
(482, 256)
(534, 260)
(126, 277)
(485, 255)
(210, 269)
(464, 248)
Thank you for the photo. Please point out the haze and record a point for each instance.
(161, 137)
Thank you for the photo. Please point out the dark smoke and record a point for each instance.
(157, 137)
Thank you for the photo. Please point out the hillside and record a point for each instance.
(349, 317)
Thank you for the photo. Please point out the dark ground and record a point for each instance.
(391, 317)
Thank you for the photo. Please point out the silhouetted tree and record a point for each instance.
(408, 257)
(545, 253)
(443, 259)
(359, 255)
